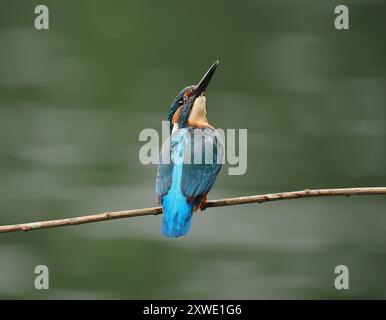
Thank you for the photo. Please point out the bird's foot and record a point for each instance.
(202, 205)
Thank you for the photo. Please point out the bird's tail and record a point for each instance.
(177, 216)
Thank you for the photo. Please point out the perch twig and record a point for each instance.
(210, 204)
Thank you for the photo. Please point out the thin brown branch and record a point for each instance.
(210, 204)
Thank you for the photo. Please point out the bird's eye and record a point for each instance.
(180, 102)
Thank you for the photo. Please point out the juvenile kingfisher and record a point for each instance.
(183, 183)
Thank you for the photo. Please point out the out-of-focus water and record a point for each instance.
(74, 99)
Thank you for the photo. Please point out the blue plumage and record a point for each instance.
(177, 216)
(181, 186)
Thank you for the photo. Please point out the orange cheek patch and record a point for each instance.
(187, 94)
(175, 116)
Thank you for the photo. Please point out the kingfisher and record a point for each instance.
(183, 183)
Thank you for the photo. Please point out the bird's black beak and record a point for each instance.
(203, 84)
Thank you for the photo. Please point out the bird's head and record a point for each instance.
(190, 98)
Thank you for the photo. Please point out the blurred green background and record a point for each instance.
(73, 100)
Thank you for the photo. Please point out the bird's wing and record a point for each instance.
(198, 179)
(165, 168)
